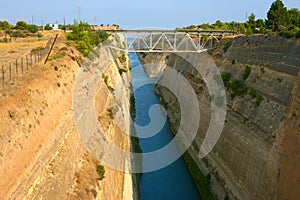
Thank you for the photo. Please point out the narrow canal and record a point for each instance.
(174, 181)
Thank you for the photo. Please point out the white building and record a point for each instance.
(54, 26)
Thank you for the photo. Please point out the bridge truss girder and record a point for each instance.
(165, 41)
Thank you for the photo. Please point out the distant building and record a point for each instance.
(54, 26)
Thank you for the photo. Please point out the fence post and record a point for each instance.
(51, 47)
(31, 60)
(10, 71)
(17, 67)
(27, 62)
(35, 58)
(3, 75)
(22, 67)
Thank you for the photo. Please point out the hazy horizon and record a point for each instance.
(136, 14)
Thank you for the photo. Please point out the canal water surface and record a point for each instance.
(174, 181)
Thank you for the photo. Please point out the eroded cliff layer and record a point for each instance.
(260, 75)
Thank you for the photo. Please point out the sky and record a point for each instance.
(134, 13)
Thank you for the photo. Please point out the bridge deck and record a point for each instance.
(202, 32)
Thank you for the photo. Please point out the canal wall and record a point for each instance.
(41, 153)
(247, 161)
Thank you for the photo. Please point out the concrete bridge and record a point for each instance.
(178, 40)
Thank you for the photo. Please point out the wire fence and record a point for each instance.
(19, 66)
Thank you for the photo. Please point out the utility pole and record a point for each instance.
(31, 19)
(42, 25)
(64, 24)
(78, 14)
(5, 31)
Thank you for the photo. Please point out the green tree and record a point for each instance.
(48, 27)
(251, 21)
(218, 24)
(260, 23)
(295, 16)
(84, 37)
(277, 16)
(21, 25)
(32, 28)
(249, 31)
(4, 25)
(205, 26)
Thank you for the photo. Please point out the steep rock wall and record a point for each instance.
(41, 155)
(247, 158)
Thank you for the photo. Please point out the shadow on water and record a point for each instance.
(174, 181)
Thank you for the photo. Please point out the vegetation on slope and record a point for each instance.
(202, 182)
(279, 20)
(85, 38)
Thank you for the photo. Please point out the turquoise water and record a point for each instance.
(174, 181)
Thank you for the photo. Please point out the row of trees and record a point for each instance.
(279, 19)
(20, 25)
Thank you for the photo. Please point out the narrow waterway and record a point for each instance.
(174, 181)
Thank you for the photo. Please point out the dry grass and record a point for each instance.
(9, 52)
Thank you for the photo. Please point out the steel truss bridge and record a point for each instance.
(165, 40)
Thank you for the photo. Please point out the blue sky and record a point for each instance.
(137, 14)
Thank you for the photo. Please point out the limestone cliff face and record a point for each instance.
(247, 158)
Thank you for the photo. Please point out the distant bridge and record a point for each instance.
(166, 40)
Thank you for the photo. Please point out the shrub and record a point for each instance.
(226, 78)
(288, 33)
(233, 61)
(259, 98)
(84, 37)
(246, 72)
(100, 36)
(252, 92)
(279, 80)
(21, 25)
(262, 70)
(238, 87)
(249, 31)
(122, 58)
(16, 33)
(48, 27)
(58, 56)
(132, 106)
(121, 71)
(226, 44)
(105, 78)
(39, 35)
(101, 171)
(32, 28)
